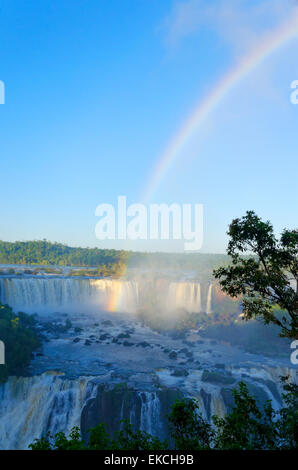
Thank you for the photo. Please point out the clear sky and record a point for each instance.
(96, 89)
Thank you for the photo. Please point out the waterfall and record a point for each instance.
(186, 295)
(33, 406)
(150, 412)
(63, 294)
(68, 295)
(209, 300)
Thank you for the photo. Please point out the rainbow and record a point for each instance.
(255, 57)
(115, 297)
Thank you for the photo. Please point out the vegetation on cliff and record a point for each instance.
(247, 427)
(20, 339)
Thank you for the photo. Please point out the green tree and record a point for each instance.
(20, 339)
(264, 278)
(188, 429)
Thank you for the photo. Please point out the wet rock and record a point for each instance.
(104, 337)
(183, 351)
(76, 340)
(123, 335)
(180, 373)
(173, 355)
(143, 344)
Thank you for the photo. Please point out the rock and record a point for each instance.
(76, 340)
(107, 323)
(173, 355)
(127, 343)
(87, 342)
(183, 351)
(123, 335)
(180, 373)
(144, 344)
(104, 337)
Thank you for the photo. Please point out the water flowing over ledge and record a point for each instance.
(68, 295)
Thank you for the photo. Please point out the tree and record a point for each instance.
(20, 338)
(263, 272)
(247, 427)
(188, 428)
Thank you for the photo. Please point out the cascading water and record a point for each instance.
(150, 412)
(33, 406)
(47, 295)
(63, 294)
(209, 300)
(185, 295)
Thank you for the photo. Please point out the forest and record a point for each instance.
(43, 252)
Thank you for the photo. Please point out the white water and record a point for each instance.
(185, 295)
(209, 298)
(150, 412)
(62, 294)
(46, 295)
(33, 406)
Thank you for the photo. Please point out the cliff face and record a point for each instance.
(145, 410)
(33, 406)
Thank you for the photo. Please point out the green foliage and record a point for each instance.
(99, 439)
(188, 429)
(263, 278)
(246, 427)
(288, 423)
(107, 262)
(17, 333)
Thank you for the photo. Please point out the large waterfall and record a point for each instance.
(61, 294)
(33, 406)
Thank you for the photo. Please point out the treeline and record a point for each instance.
(43, 252)
(20, 339)
(247, 427)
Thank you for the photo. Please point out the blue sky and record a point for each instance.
(95, 90)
